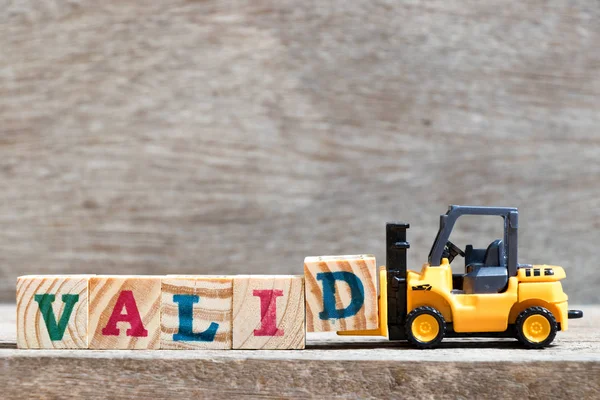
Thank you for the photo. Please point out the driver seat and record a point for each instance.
(491, 276)
(494, 255)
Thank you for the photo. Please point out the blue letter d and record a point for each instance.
(357, 293)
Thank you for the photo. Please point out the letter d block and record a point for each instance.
(52, 312)
(341, 293)
(268, 312)
(196, 312)
(124, 312)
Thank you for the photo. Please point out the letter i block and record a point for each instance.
(124, 312)
(52, 312)
(268, 312)
(196, 312)
(341, 293)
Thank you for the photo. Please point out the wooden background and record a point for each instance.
(241, 136)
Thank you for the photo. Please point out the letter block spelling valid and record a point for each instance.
(52, 312)
(196, 312)
(124, 312)
(341, 293)
(268, 312)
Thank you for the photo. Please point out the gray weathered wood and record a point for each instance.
(345, 367)
(241, 136)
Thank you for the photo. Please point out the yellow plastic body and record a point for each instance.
(544, 291)
(488, 312)
(467, 312)
(382, 329)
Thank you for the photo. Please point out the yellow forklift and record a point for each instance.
(495, 296)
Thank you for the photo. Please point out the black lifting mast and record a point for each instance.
(396, 246)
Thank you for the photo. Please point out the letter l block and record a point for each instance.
(196, 312)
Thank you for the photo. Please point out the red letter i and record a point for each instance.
(268, 312)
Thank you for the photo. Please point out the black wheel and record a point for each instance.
(536, 327)
(425, 327)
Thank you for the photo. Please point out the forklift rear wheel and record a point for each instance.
(536, 327)
(425, 327)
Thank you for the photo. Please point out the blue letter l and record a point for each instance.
(186, 316)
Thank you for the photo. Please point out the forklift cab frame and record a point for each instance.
(485, 271)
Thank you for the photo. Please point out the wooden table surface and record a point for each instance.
(330, 367)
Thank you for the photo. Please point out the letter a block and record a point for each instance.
(52, 312)
(196, 312)
(268, 312)
(341, 293)
(124, 312)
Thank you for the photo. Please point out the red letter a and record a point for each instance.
(132, 315)
(268, 312)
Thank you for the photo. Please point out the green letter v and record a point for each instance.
(45, 301)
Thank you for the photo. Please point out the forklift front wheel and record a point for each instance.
(425, 327)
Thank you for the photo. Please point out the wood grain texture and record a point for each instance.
(135, 137)
(364, 268)
(215, 305)
(32, 330)
(104, 294)
(251, 378)
(268, 312)
(331, 367)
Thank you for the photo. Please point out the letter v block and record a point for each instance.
(341, 293)
(268, 312)
(196, 312)
(52, 312)
(124, 312)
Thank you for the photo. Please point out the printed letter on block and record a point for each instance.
(268, 312)
(124, 312)
(341, 293)
(196, 312)
(52, 312)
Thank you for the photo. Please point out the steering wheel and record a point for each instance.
(451, 251)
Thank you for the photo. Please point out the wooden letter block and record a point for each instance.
(268, 312)
(341, 293)
(52, 312)
(196, 312)
(124, 312)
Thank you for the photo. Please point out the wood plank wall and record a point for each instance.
(201, 137)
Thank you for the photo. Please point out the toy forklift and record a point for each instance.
(495, 297)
